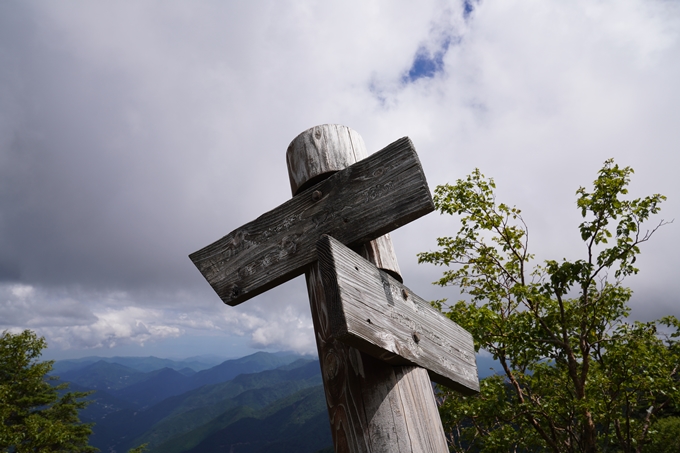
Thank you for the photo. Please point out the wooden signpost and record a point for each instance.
(375, 313)
(377, 341)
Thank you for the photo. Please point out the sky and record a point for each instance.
(135, 133)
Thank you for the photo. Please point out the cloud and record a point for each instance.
(79, 319)
(113, 328)
(27, 306)
(132, 134)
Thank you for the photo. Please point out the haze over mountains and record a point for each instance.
(259, 403)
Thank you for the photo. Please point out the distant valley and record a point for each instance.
(259, 403)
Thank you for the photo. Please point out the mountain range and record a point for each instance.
(259, 403)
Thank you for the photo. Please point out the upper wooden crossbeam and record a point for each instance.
(360, 203)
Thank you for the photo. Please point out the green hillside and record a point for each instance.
(296, 424)
(289, 397)
(103, 375)
(253, 391)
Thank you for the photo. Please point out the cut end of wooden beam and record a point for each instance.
(320, 151)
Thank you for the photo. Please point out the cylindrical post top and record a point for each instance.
(320, 151)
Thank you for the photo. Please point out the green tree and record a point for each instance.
(34, 416)
(666, 438)
(577, 376)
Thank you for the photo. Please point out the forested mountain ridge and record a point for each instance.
(230, 405)
(143, 364)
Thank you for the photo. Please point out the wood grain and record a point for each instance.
(373, 406)
(316, 154)
(375, 313)
(320, 151)
(355, 205)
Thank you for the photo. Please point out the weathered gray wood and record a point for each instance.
(320, 151)
(373, 312)
(373, 406)
(355, 205)
(380, 251)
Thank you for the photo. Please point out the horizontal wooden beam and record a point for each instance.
(360, 203)
(373, 312)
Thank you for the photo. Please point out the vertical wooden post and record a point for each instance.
(373, 406)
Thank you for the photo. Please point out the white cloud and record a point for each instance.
(287, 329)
(89, 320)
(114, 328)
(27, 306)
(132, 134)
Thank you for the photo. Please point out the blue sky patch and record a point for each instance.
(427, 64)
(468, 7)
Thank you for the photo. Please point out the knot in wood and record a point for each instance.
(404, 293)
(316, 195)
(331, 365)
(416, 337)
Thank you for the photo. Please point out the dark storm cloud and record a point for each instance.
(90, 174)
